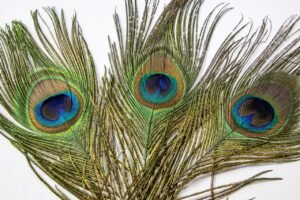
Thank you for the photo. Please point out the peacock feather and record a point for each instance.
(157, 120)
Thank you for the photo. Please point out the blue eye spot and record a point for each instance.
(254, 114)
(158, 88)
(57, 109)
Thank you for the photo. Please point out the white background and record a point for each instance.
(17, 181)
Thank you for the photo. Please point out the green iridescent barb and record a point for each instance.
(151, 125)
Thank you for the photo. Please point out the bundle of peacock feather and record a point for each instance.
(157, 120)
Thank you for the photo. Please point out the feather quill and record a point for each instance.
(151, 125)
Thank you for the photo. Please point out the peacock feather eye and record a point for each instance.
(159, 83)
(54, 106)
(260, 111)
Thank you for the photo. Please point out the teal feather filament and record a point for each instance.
(158, 88)
(58, 109)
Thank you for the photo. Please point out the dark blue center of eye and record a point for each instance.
(58, 109)
(158, 88)
(159, 82)
(56, 105)
(254, 114)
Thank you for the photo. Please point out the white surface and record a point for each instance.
(16, 179)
